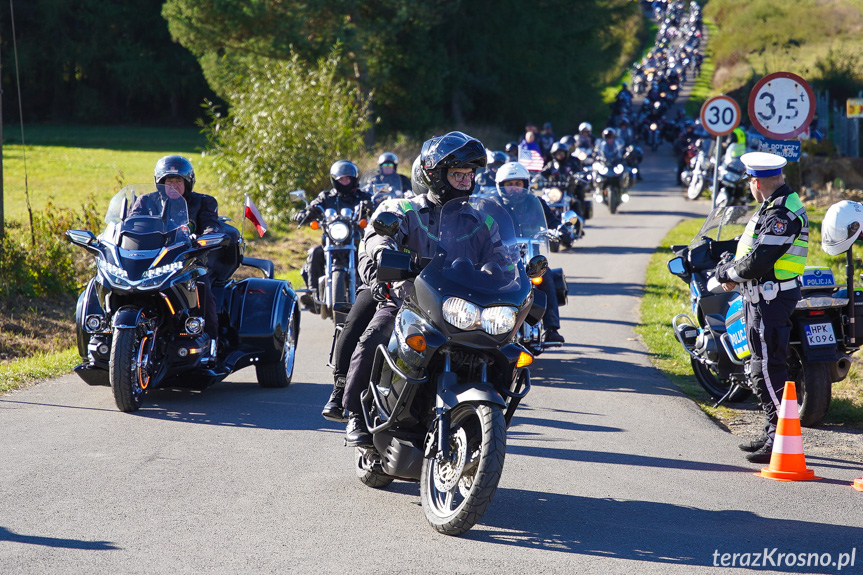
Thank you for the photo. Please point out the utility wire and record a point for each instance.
(21, 115)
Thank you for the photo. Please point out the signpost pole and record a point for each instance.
(716, 172)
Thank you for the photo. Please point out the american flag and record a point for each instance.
(530, 159)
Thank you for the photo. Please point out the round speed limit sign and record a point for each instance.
(720, 115)
(781, 105)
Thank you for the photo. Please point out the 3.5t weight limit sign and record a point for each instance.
(781, 105)
(720, 115)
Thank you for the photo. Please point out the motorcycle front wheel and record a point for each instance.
(613, 201)
(696, 185)
(713, 385)
(456, 493)
(131, 365)
(340, 295)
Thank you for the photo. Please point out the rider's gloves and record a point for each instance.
(300, 217)
(381, 292)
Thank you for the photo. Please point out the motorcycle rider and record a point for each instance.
(512, 185)
(610, 147)
(546, 140)
(494, 160)
(771, 254)
(387, 173)
(345, 193)
(585, 138)
(176, 172)
(681, 144)
(563, 167)
(447, 169)
(511, 150)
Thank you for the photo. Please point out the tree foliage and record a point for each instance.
(98, 61)
(287, 120)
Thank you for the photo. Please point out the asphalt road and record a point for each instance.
(609, 469)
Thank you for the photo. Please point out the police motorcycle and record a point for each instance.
(342, 232)
(714, 335)
(533, 237)
(445, 388)
(140, 321)
(611, 180)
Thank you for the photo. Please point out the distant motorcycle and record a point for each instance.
(611, 180)
(140, 323)
(342, 231)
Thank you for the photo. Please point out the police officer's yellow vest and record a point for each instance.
(792, 262)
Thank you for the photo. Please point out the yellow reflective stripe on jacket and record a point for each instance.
(792, 262)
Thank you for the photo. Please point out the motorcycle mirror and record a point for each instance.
(386, 224)
(537, 266)
(676, 266)
(300, 195)
(81, 237)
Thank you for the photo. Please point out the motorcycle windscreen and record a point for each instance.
(150, 215)
(478, 249)
(736, 328)
(723, 223)
(524, 210)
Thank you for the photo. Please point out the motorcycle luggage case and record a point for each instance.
(560, 286)
(260, 309)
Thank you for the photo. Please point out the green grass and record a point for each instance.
(666, 296)
(37, 367)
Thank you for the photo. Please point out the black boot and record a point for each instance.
(755, 444)
(333, 410)
(357, 434)
(553, 336)
(762, 455)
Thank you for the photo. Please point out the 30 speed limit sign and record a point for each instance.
(781, 105)
(720, 115)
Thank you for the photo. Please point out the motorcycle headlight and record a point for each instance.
(618, 169)
(498, 320)
(339, 231)
(460, 313)
(162, 270)
(554, 195)
(654, 126)
(114, 274)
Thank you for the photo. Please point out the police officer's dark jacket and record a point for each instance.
(775, 243)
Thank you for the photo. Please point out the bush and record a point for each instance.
(286, 126)
(44, 263)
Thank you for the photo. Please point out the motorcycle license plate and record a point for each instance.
(820, 334)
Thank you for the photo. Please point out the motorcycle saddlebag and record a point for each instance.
(260, 309)
(560, 287)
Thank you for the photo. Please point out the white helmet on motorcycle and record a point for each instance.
(585, 126)
(512, 171)
(841, 226)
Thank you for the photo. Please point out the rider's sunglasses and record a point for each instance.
(388, 165)
(460, 176)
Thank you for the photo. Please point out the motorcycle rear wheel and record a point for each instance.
(279, 374)
(456, 493)
(131, 361)
(715, 387)
(813, 386)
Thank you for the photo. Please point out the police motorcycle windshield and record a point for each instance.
(723, 223)
(145, 222)
(524, 209)
(478, 253)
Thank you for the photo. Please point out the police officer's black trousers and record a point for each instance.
(768, 328)
(358, 319)
(378, 332)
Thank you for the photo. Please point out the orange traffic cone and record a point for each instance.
(787, 462)
(858, 484)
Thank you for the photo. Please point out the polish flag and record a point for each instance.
(254, 216)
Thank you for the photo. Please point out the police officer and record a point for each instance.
(771, 253)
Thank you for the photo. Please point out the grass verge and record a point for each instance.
(36, 367)
(666, 296)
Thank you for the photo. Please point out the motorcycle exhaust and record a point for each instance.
(839, 370)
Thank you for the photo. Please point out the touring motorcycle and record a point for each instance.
(715, 337)
(445, 388)
(140, 321)
(611, 180)
(342, 231)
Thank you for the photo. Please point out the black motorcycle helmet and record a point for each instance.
(175, 166)
(559, 149)
(418, 186)
(496, 159)
(442, 153)
(388, 158)
(339, 170)
(568, 141)
(511, 149)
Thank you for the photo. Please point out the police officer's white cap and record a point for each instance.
(762, 164)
